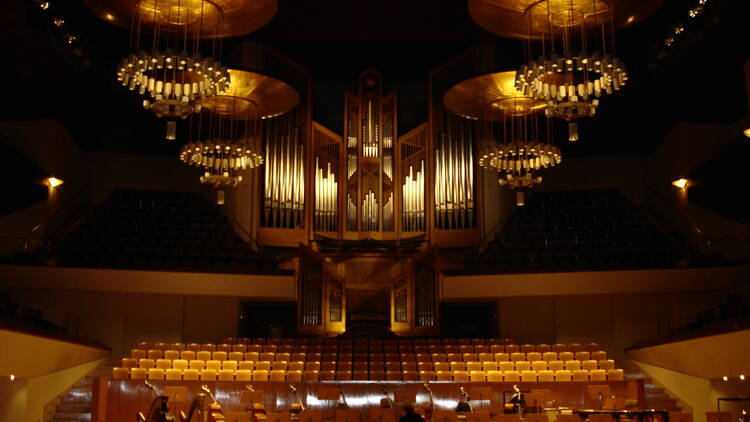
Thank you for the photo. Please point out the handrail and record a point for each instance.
(250, 238)
(704, 243)
(483, 242)
(64, 211)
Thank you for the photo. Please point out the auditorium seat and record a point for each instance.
(190, 374)
(615, 375)
(409, 375)
(545, 376)
(294, 376)
(310, 375)
(120, 373)
(171, 354)
(279, 366)
(598, 375)
(243, 375)
(522, 365)
(460, 376)
(502, 357)
(490, 366)
(214, 365)
(203, 355)
(163, 364)
(549, 356)
(208, 375)
(138, 354)
(589, 365)
(528, 376)
(263, 365)
(260, 375)
(138, 374)
(444, 376)
(565, 356)
(507, 366)
(563, 375)
(296, 366)
(327, 375)
(129, 363)
(532, 356)
(580, 375)
(538, 365)
(155, 374)
(252, 356)
(277, 375)
(607, 364)
(146, 363)
(188, 355)
(517, 356)
(511, 376)
(219, 355)
(555, 365)
(426, 375)
(494, 376)
(599, 355)
(573, 365)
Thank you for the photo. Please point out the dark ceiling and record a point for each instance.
(698, 78)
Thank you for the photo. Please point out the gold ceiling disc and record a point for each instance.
(507, 18)
(238, 17)
(483, 97)
(252, 95)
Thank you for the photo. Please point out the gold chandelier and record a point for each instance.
(167, 64)
(571, 58)
(226, 133)
(511, 128)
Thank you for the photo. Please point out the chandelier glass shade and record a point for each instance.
(571, 61)
(169, 64)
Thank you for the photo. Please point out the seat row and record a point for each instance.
(173, 374)
(365, 357)
(182, 364)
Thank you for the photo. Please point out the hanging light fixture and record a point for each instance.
(516, 145)
(571, 65)
(168, 63)
(226, 133)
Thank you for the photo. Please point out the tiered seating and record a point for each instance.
(160, 230)
(459, 360)
(577, 230)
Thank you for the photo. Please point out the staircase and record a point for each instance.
(657, 397)
(75, 405)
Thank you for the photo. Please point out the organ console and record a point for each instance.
(159, 409)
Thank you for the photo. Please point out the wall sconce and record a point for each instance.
(220, 197)
(520, 198)
(747, 132)
(680, 183)
(54, 182)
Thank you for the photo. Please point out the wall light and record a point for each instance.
(680, 183)
(742, 377)
(725, 378)
(520, 198)
(747, 132)
(220, 197)
(12, 377)
(54, 182)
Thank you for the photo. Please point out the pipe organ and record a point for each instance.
(413, 157)
(284, 182)
(326, 146)
(454, 172)
(370, 133)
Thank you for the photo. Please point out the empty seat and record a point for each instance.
(458, 366)
(549, 356)
(263, 365)
(573, 365)
(138, 374)
(580, 375)
(517, 356)
(589, 365)
(295, 366)
(283, 356)
(599, 355)
(163, 364)
(193, 347)
(607, 364)
(538, 365)
(543, 348)
(344, 375)
(439, 357)
(146, 363)
(425, 366)
(236, 356)
(190, 375)
(203, 355)
(563, 375)
(213, 364)
(427, 376)
(511, 376)
(512, 348)
(377, 375)
(312, 366)
(545, 376)
(494, 376)
(324, 375)
(277, 375)
(294, 376)
(502, 357)
(598, 375)
(229, 364)
(226, 375)
(171, 354)
(279, 366)
(310, 375)
(565, 356)
(208, 375)
(486, 357)
(615, 375)
(528, 376)
(187, 355)
(460, 376)
(532, 356)
(269, 356)
(245, 365)
(490, 366)
(523, 365)
(507, 366)
(129, 363)
(582, 356)
(393, 375)
(527, 348)
(198, 365)
(470, 357)
(243, 375)
(442, 366)
(444, 376)
(120, 373)
(260, 375)
(555, 365)
(409, 375)
(154, 354)
(239, 348)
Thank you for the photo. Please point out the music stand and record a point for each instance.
(311, 415)
(278, 417)
(382, 415)
(444, 416)
(347, 415)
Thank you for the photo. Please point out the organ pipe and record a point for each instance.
(413, 213)
(326, 192)
(370, 212)
(284, 195)
(454, 177)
